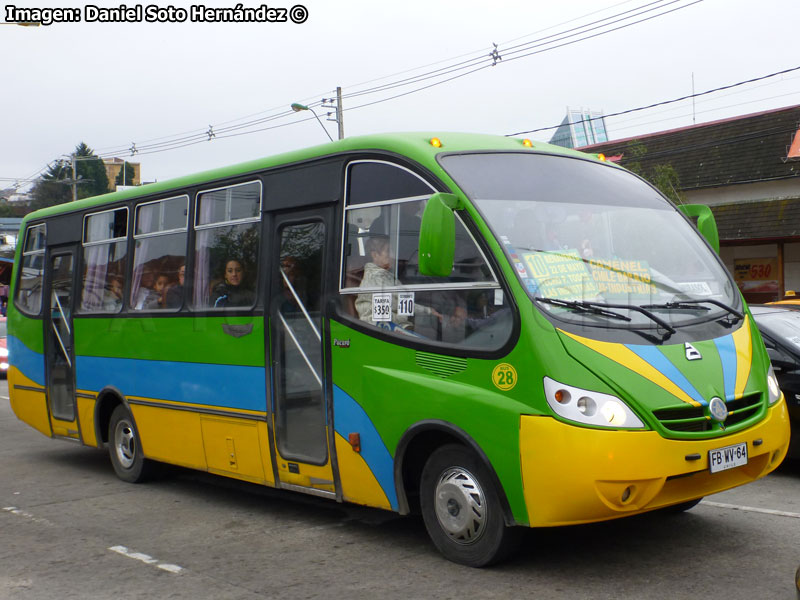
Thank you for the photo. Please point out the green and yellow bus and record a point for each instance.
(489, 331)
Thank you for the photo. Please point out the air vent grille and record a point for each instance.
(443, 366)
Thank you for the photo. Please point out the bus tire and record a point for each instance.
(125, 448)
(462, 510)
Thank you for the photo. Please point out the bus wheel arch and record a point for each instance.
(107, 400)
(416, 446)
(116, 430)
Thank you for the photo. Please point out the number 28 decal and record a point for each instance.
(504, 376)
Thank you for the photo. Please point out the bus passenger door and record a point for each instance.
(58, 344)
(299, 407)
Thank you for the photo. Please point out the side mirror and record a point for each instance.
(437, 235)
(703, 218)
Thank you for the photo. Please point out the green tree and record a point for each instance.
(662, 175)
(92, 177)
(55, 186)
(129, 174)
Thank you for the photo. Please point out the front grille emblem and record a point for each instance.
(718, 409)
(691, 352)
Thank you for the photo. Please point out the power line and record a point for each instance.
(632, 110)
(616, 128)
(198, 136)
(502, 54)
(457, 70)
(518, 57)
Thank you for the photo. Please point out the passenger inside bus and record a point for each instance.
(406, 230)
(156, 296)
(174, 297)
(292, 285)
(378, 276)
(112, 298)
(232, 291)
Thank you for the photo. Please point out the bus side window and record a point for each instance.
(159, 254)
(105, 250)
(29, 290)
(381, 264)
(226, 247)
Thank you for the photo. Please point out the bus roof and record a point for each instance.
(415, 145)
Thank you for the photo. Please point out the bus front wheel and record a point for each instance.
(124, 447)
(461, 508)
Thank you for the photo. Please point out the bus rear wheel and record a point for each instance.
(462, 510)
(124, 447)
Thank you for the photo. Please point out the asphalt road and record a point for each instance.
(69, 529)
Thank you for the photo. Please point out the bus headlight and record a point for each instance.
(3, 352)
(588, 407)
(773, 387)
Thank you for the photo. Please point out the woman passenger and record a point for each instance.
(231, 291)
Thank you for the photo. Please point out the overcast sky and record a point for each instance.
(115, 85)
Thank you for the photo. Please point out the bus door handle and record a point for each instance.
(237, 331)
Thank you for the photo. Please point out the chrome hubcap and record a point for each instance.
(125, 444)
(460, 505)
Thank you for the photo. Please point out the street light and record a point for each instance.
(297, 107)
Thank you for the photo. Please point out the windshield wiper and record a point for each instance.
(677, 306)
(582, 306)
(694, 304)
(601, 309)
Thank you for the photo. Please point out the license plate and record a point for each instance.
(728, 457)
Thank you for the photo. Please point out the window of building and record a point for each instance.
(105, 250)
(381, 284)
(226, 247)
(159, 259)
(29, 291)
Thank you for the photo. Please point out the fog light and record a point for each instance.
(626, 494)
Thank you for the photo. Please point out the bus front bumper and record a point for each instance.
(577, 475)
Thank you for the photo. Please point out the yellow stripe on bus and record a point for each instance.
(626, 357)
(359, 485)
(28, 404)
(743, 340)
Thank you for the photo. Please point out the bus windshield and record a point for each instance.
(593, 244)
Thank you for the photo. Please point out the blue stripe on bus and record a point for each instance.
(30, 363)
(228, 386)
(349, 417)
(657, 360)
(727, 354)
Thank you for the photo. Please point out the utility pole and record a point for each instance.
(339, 115)
(74, 179)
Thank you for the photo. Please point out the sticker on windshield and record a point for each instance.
(382, 307)
(405, 304)
(561, 274)
(566, 275)
(622, 277)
